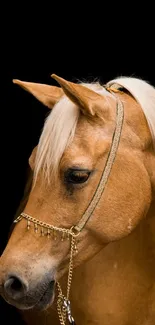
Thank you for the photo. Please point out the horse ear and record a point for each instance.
(88, 100)
(46, 94)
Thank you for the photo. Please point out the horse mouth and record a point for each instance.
(47, 297)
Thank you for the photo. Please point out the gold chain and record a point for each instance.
(45, 225)
(63, 303)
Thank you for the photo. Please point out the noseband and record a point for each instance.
(63, 303)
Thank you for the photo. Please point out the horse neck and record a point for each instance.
(143, 235)
(138, 246)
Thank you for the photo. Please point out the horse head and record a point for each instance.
(87, 124)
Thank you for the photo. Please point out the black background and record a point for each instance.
(33, 55)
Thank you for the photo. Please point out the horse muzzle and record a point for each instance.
(23, 295)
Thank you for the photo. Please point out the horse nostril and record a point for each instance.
(15, 287)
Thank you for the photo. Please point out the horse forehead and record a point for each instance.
(86, 146)
(87, 134)
(85, 131)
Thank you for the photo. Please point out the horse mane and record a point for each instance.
(144, 93)
(59, 128)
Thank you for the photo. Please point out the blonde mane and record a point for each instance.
(60, 126)
(144, 94)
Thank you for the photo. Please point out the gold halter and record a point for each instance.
(63, 303)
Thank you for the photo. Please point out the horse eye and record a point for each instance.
(77, 176)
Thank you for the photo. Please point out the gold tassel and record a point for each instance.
(42, 231)
(28, 224)
(48, 233)
(63, 236)
(75, 249)
(54, 234)
(35, 227)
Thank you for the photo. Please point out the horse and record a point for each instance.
(82, 249)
